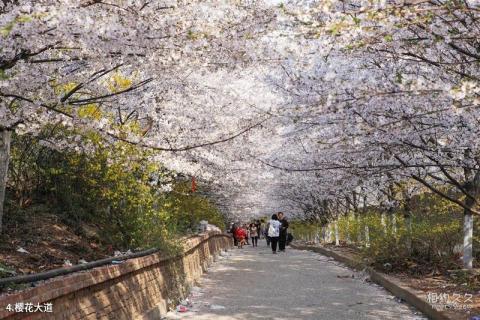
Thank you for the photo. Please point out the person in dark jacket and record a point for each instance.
(259, 228)
(232, 231)
(267, 238)
(282, 241)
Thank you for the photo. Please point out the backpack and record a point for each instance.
(271, 229)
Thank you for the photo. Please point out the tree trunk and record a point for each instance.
(359, 230)
(383, 222)
(468, 227)
(347, 232)
(330, 233)
(407, 214)
(408, 222)
(394, 225)
(367, 236)
(337, 234)
(472, 186)
(5, 139)
(468, 240)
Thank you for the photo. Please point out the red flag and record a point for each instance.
(194, 184)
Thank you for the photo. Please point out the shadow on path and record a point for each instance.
(252, 283)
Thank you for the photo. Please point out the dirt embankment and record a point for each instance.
(42, 242)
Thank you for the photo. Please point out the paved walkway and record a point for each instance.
(252, 283)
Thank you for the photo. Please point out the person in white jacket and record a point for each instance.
(274, 232)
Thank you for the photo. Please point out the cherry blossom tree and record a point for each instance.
(324, 108)
(395, 91)
(91, 65)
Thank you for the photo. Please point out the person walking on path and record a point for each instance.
(233, 232)
(254, 234)
(267, 238)
(274, 232)
(282, 241)
(240, 235)
(247, 230)
(263, 229)
(258, 225)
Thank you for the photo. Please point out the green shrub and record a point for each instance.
(115, 185)
(425, 244)
(424, 241)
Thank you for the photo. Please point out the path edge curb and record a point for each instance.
(382, 279)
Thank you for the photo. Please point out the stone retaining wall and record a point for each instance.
(134, 289)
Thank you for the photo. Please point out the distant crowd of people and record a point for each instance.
(274, 231)
(243, 233)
